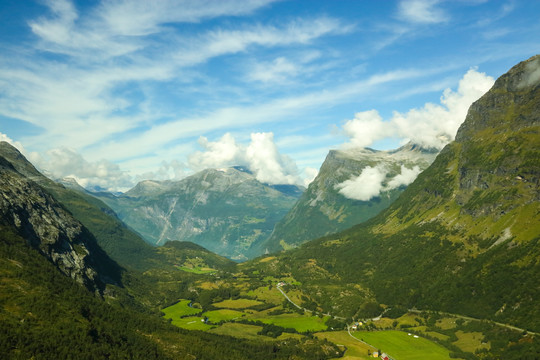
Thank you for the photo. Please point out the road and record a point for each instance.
(511, 327)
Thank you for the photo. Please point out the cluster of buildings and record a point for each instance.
(383, 356)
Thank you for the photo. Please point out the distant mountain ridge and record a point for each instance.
(228, 211)
(323, 210)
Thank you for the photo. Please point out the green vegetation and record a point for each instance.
(180, 309)
(217, 316)
(401, 346)
(197, 270)
(299, 323)
(237, 304)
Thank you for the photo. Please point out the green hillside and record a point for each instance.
(463, 238)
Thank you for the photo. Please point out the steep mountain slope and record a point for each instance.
(227, 211)
(323, 209)
(464, 237)
(122, 244)
(37, 217)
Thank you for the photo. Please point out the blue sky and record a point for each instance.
(114, 92)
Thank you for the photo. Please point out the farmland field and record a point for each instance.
(355, 349)
(216, 316)
(237, 304)
(401, 346)
(295, 321)
(180, 309)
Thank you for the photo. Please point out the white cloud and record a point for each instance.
(141, 17)
(365, 128)
(421, 11)
(261, 156)
(222, 41)
(364, 187)
(267, 163)
(61, 162)
(278, 70)
(371, 182)
(168, 170)
(222, 153)
(310, 175)
(405, 177)
(433, 125)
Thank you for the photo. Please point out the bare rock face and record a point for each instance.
(48, 227)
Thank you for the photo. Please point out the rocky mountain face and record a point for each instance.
(464, 237)
(324, 209)
(36, 216)
(227, 211)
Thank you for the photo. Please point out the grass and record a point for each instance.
(295, 321)
(180, 309)
(272, 296)
(401, 346)
(470, 342)
(216, 316)
(237, 304)
(355, 349)
(197, 270)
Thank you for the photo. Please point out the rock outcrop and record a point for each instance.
(51, 229)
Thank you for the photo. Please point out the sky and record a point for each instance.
(113, 92)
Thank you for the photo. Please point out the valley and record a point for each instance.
(268, 312)
(446, 268)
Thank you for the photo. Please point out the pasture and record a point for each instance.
(401, 346)
(180, 309)
(294, 321)
(237, 304)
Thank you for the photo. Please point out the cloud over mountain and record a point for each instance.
(261, 156)
(371, 182)
(433, 125)
(365, 186)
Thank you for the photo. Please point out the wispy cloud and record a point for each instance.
(422, 11)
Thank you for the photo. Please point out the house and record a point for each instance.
(375, 354)
(385, 356)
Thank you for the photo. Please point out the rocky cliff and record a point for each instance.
(49, 227)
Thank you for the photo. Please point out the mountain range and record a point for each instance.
(463, 238)
(324, 208)
(228, 211)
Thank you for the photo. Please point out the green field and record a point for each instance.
(470, 342)
(216, 316)
(197, 270)
(237, 304)
(355, 349)
(180, 309)
(401, 346)
(295, 321)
